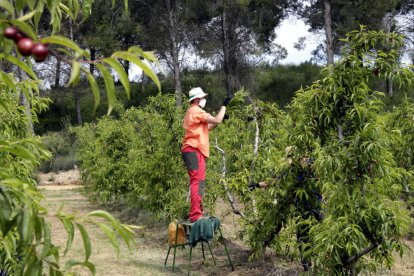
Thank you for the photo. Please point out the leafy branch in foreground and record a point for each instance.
(25, 239)
(26, 246)
(63, 48)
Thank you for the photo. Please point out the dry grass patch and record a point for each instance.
(150, 248)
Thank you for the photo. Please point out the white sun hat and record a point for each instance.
(196, 93)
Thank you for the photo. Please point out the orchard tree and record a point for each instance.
(401, 122)
(337, 123)
(335, 178)
(26, 246)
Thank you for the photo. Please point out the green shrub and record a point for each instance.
(137, 157)
(62, 147)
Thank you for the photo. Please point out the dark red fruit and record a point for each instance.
(40, 51)
(25, 46)
(11, 32)
(19, 36)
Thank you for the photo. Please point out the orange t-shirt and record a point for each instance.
(196, 129)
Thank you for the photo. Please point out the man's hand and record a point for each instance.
(227, 100)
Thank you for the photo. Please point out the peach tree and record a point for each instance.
(337, 123)
(26, 246)
(335, 177)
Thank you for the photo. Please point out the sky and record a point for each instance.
(288, 33)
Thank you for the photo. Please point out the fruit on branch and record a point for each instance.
(11, 32)
(14, 33)
(40, 52)
(19, 36)
(25, 46)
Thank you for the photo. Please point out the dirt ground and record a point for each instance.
(149, 252)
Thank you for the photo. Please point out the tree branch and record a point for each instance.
(361, 253)
(223, 175)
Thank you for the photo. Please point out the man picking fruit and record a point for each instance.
(195, 149)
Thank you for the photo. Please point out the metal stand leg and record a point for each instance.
(211, 252)
(189, 260)
(165, 263)
(225, 248)
(175, 245)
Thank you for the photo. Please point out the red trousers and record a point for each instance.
(196, 166)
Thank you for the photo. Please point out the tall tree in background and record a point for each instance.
(106, 30)
(233, 31)
(165, 27)
(338, 17)
(328, 31)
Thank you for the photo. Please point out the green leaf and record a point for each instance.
(47, 242)
(126, 6)
(86, 9)
(38, 228)
(31, 3)
(109, 86)
(19, 5)
(149, 55)
(126, 233)
(5, 4)
(86, 241)
(20, 64)
(75, 74)
(121, 73)
(94, 87)
(61, 40)
(75, 8)
(27, 16)
(66, 10)
(88, 265)
(7, 80)
(24, 27)
(137, 61)
(25, 226)
(102, 214)
(19, 151)
(70, 230)
(110, 234)
(39, 8)
(34, 268)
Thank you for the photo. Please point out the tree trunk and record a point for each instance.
(57, 73)
(78, 107)
(390, 89)
(126, 66)
(328, 32)
(93, 57)
(226, 49)
(233, 62)
(143, 82)
(173, 32)
(24, 102)
(230, 53)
